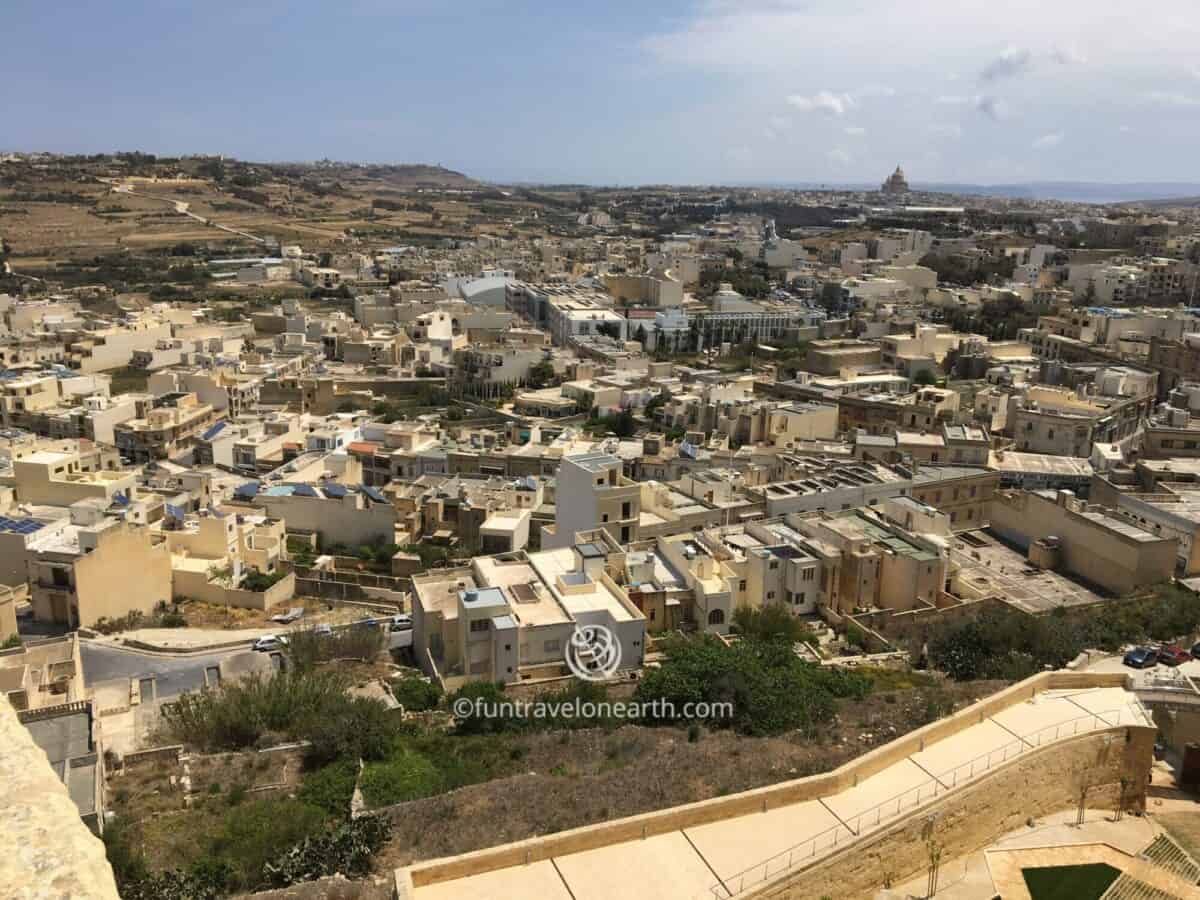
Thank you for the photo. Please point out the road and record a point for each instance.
(174, 674)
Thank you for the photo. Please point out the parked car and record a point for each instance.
(1171, 655)
(288, 617)
(1195, 651)
(1141, 658)
(402, 622)
(270, 642)
(324, 629)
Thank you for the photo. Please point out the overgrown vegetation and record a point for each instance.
(307, 648)
(1010, 645)
(771, 690)
(257, 581)
(267, 843)
(622, 424)
(292, 705)
(770, 623)
(416, 694)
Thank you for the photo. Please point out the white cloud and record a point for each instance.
(855, 130)
(1067, 56)
(839, 157)
(823, 101)
(836, 57)
(992, 107)
(1012, 62)
(1048, 141)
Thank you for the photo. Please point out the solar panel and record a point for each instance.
(304, 490)
(20, 526)
(212, 432)
(374, 494)
(247, 490)
(334, 490)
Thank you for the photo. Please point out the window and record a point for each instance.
(652, 615)
(716, 617)
(774, 564)
(770, 595)
(624, 534)
(742, 585)
(604, 517)
(480, 625)
(554, 646)
(626, 509)
(973, 489)
(508, 649)
(809, 574)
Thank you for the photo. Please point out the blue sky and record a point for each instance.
(685, 92)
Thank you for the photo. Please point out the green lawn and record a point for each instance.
(1069, 882)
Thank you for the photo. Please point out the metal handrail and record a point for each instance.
(940, 783)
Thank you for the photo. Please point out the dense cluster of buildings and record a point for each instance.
(510, 440)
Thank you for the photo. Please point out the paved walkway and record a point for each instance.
(726, 859)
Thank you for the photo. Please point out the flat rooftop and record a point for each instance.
(989, 565)
(529, 599)
(1039, 464)
(550, 564)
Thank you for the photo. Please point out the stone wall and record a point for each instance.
(1032, 785)
(49, 852)
(603, 834)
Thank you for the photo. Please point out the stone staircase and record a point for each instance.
(1145, 880)
(1127, 888)
(1164, 852)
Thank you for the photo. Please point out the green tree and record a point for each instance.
(770, 623)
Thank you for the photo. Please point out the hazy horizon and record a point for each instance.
(710, 92)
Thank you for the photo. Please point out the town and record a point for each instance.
(346, 510)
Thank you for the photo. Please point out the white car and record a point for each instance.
(269, 642)
(324, 629)
(402, 622)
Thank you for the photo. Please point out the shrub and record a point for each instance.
(770, 689)
(346, 848)
(417, 694)
(770, 623)
(257, 581)
(256, 833)
(331, 787)
(13, 640)
(310, 706)
(307, 648)
(405, 775)
(355, 727)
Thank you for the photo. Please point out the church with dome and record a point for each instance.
(896, 183)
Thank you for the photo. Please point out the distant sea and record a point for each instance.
(1069, 191)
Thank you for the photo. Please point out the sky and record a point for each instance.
(621, 92)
